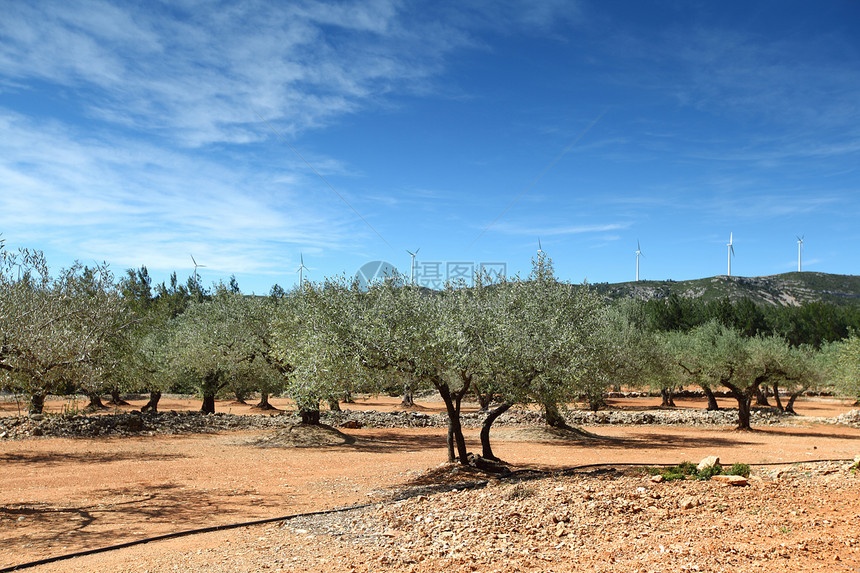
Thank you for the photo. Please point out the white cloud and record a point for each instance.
(199, 77)
(549, 231)
(131, 203)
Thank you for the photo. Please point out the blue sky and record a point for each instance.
(132, 134)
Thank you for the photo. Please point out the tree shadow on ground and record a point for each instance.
(392, 441)
(651, 440)
(50, 530)
(381, 441)
(793, 433)
(57, 458)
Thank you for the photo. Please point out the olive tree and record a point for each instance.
(219, 342)
(554, 341)
(56, 332)
(471, 322)
(406, 332)
(722, 356)
(843, 364)
(314, 333)
(684, 365)
(778, 365)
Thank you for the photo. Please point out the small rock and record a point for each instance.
(708, 462)
(688, 503)
(657, 478)
(731, 480)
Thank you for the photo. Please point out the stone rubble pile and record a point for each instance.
(187, 422)
(851, 418)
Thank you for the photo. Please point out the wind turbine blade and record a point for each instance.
(540, 248)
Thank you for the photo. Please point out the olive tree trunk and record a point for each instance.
(456, 441)
(744, 400)
(668, 399)
(95, 402)
(310, 417)
(208, 406)
(486, 450)
(761, 396)
(152, 405)
(264, 404)
(115, 398)
(554, 419)
(36, 403)
(712, 400)
(776, 397)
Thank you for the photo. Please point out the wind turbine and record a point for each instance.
(301, 268)
(540, 249)
(412, 272)
(638, 252)
(731, 247)
(799, 245)
(196, 276)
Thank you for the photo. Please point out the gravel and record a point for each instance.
(600, 521)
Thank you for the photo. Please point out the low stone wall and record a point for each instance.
(172, 422)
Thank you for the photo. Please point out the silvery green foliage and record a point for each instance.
(552, 340)
(774, 361)
(316, 334)
(403, 332)
(637, 357)
(713, 355)
(842, 363)
(223, 342)
(61, 332)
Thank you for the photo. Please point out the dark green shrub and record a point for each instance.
(739, 470)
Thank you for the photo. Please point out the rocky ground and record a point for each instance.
(803, 517)
(607, 520)
(70, 483)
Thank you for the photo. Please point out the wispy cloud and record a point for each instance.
(550, 231)
(197, 73)
(133, 203)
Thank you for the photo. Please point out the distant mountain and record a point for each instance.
(789, 289)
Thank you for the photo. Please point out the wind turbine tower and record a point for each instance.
(196, 276)
(301, 268)
(799, 245)
(412, 266)
(638, 253)
(731, 247)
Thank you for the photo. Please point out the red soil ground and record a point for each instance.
(63, 495)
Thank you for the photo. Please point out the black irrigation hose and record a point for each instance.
(176, 534)
(474, 485)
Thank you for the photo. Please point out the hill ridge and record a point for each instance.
(786, 289)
